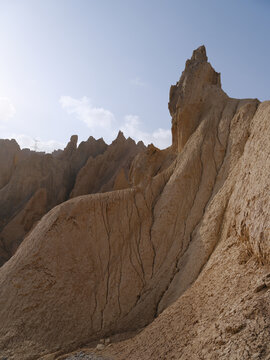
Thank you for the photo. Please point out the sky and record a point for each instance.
(94, 67)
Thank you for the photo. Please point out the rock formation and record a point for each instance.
(225, 313)
(186, 245)
(7, 156)
(110, 170)
(33, 183)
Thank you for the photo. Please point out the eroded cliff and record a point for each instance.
(32, 183)
(183, 245)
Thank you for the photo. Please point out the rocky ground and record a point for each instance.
(85, 356)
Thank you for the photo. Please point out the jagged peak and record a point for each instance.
(151, 148)
(91, 139)
(10, 143)
(198, 88)
(199, 55)
(120, 138)
(141, 144)
(71, 146)
(120, 135)
(74, 139)
(198, 72)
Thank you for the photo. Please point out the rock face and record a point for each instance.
(8, 152)
(33, 183)
(225, 313)
(109, 170)
(186, 245)
(196, 91)
(149, 163)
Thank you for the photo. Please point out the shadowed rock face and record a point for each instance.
(33, 183)
(110, 170)
(107, 263)
(8, 152)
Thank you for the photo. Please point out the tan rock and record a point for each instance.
(149, 163)
(197, 89)
(22, 223)
(8, 151)
(109, 170)
(102, 264)
(27, 175)
(121, 181)
(100, 346)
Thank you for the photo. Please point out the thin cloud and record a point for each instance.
(162, 138)
(138, 82)
(7, 112)
(37, 144)
(103, 123)
(132, 128)
(83, 109)
(7, 109)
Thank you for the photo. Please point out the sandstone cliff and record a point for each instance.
(188, 246)
(225, 312)
(32, 183)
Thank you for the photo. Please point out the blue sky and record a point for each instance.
(92, 67)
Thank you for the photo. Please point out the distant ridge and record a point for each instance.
(32, 183)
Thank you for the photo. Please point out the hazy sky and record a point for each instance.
(92, 67)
